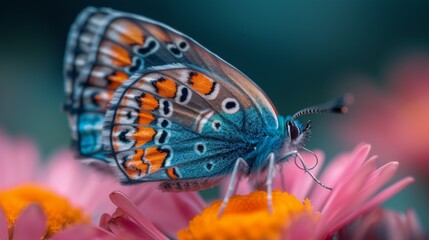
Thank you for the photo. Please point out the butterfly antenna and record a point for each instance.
(339, 105)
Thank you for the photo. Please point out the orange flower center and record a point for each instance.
(248, 217)
(59, 211)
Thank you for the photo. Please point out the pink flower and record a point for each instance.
(63, 198)
(384, 224)
(356, 181)
(58, 199)
(152, 218)
(355, 178)
(394, 119)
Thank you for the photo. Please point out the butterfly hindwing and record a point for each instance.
(150, 118)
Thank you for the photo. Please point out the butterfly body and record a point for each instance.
(155, 106)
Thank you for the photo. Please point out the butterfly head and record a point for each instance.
(297, 134)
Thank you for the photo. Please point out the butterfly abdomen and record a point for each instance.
(189, 185)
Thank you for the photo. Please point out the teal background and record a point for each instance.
(299, 52)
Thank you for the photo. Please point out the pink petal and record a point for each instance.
(104, 221)
(361, 187)
(126, 229)
(4, 232)
(386, 194)
(30, 224)
(375, 201)
(366, 223)
(140, 196)
(297, 181)
(16, 156)
(340, 171)
(189, 203)
(345, 192)
(395, 227)
(120, 200)
(380, 177)
(343, 200)
(179, 209)
(413, 225)
(174, 210)
(83, 232)
(80, 183)
(63, 173)
(302, 228)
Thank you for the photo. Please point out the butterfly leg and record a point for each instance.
(282, 179)
(270, 181)
(239, 167)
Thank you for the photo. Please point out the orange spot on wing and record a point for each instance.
(145, 118)
(135, 166)
(155, 158)
(115, 139)
(171, 173)
(158, 33)
(149, 102)
(103, 99)
(166, 87)
(116, 79)
(200, 83)
(129, 32)
(143, 135)
(120, 57)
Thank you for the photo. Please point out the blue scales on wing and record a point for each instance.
(177, 125)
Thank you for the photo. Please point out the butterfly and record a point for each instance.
(155, 106)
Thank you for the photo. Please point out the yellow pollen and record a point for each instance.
(59, 211)
(248, 217)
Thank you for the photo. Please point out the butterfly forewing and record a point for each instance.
(91, 80)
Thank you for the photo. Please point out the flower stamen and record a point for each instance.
(248, 217)
(59, 211)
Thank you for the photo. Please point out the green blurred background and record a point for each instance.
(299, 52)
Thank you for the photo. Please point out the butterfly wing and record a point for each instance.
(183, 114)
(168, 125)
(92, 73)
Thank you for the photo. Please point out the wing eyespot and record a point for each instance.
(184, 95)
(150, 47)
(209, 166)
(162, 137)
(217, 125)
(174, 50)
(164, 123)
(165, 108)
(230, 105)
(200, 148)
(183, 45)
(137, 65)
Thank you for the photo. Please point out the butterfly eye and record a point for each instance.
(293, 131)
